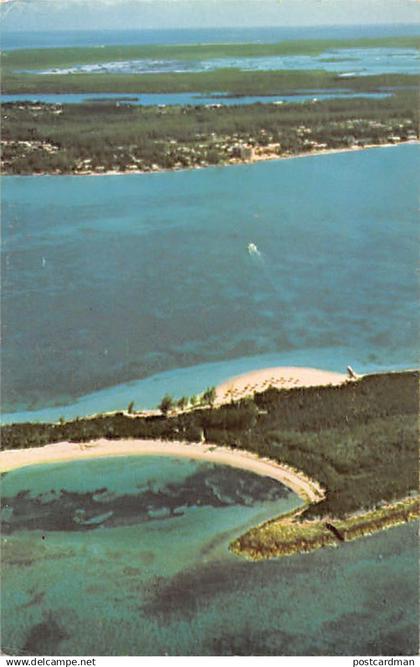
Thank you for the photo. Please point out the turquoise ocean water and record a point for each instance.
(128, 556)
(194, 99)
(123, 288)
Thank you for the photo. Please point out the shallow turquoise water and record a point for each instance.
(347, 61)
(112, 280)
(166, 584)
(194, 99)
(96, 537)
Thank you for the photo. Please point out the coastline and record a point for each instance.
(229, 163)
(229, 386)
(279, 377)
(234, 162)
(284, 535)
(312, 525)
(287, 535)
(307, 489)
(237, 384)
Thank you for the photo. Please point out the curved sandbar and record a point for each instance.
(279, 377)
(305, 488)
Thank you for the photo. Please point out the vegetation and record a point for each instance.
(286, 535)
(106, 137)
(232, 81)
(209, 396)
(68, 56)
(182, 403)
(166, 404)
(359, 440)
(19, 68)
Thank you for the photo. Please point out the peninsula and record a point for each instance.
(337, 445)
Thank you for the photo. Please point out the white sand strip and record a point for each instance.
(304, 487)
(281, 377)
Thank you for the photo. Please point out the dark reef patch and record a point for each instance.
(213, 486)
(188, 591)
(191, 590)
(396, 642)
(250, 643)
(45, 637)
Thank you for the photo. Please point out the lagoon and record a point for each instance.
(112, 280)
(105, 533)
(192, 99)
(153, 575)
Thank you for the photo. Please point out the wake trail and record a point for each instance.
(264, 264)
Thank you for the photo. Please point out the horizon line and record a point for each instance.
(216, 27)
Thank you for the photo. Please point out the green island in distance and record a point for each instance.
(233, 80)
(357, 441)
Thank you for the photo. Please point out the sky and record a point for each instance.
(143, 14)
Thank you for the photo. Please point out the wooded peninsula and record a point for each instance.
(358, 440)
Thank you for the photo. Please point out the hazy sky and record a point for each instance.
(102, 14)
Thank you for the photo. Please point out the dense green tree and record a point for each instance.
(209, 396)
(166, 404)
(121, 137)
(182, 402)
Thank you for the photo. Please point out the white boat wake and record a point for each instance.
(253, 250)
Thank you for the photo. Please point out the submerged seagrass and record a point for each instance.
(168, 584)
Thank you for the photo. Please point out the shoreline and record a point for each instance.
(229, 163)
(287, 535)
(64, 452)
(284, 535)
(234, 387)
(277, 377)
(238, 432)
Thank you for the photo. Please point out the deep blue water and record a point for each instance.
(20, 40)
(129, 556)
(110, 280)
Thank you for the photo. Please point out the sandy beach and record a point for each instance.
(307, 489)
(281, 377)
